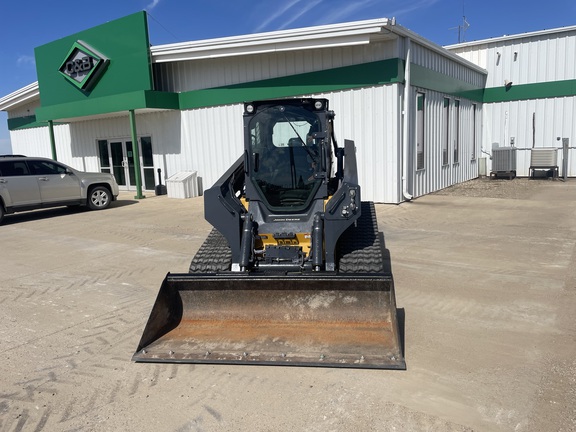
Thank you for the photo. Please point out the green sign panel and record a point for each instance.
(83, 65)
(93, 70)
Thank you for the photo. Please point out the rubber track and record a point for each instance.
(359, 250)
(213, 256)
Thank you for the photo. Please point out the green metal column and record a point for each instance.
(52, 139)
(136, 150)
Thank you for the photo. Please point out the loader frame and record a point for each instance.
(295, 271)
(333, 208)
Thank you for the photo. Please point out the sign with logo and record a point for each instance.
(102, 69)
(83, 66)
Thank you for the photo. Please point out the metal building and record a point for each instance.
(413, 108)
(530, 95)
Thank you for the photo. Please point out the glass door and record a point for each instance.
(129, 165)
(122, 161)
(118, 157)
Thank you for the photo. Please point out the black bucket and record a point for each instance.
(328, 320)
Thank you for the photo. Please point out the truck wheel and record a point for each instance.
(1, 213)
(99, 198)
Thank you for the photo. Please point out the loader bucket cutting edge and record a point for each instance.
(327, 320)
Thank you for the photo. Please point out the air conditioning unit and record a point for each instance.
(544, 159)
(503, 162)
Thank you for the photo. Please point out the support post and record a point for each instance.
(52, 140)
(135, 149)
(565, 149)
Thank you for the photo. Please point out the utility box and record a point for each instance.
(503, 162)
(183, 185)
(544, 159)
(482, 170)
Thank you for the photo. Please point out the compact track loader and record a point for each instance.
(295, 271)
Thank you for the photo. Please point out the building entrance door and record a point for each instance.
(123, 164)
(117, 157)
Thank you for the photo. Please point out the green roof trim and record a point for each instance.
(21, 122)
(342, 78)
(436, 81)
(543, 90)
(28, 122)
(109, 104)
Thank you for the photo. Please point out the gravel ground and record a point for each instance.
(485, 187)
(485, 282)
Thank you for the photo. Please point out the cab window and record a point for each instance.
(285, 156)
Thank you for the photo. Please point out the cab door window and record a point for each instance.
(285, 156)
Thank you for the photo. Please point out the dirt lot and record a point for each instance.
(485, 278)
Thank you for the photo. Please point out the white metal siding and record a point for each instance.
(554, 117)
(200, 74)
(368, 116)
(76, 143)
(162, 126)
(435, 175)
(371, 118)
(538, 58)
(434, 61)
(24, 110)
(212, 140)
(36, 141)
(550, 57)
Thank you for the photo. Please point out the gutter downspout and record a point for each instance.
(406, 121)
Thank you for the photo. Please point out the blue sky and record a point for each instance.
(26, 25)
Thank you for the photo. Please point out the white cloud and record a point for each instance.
(375, 8)
(26, 60)
(309, 6)
(412, 7)
(152, 5)
(277, 14)
(344, 13)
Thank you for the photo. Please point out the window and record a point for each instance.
(446, 131)
(457, 131)
(284, 156)
(104, 156)
(147, 162)
(420, 131)
(13, 168)
(39, 167)
(286, 134)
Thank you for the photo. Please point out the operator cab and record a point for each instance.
(288, 154)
